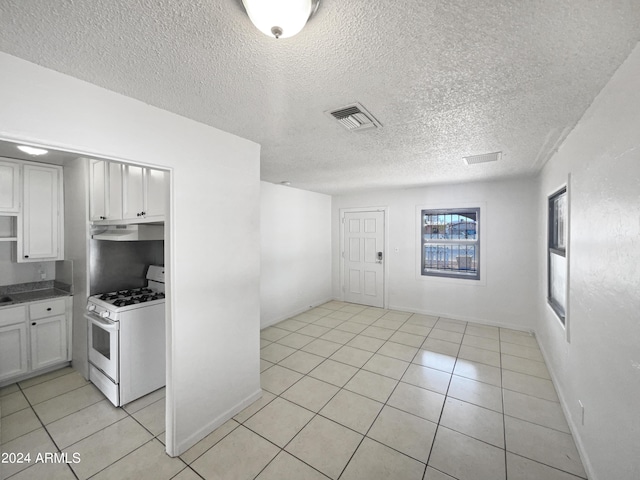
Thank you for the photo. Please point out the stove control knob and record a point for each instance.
(91, 308)
(105, 314)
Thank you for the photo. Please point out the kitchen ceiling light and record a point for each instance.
(32, 150)
(280, 18)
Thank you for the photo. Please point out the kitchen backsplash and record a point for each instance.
(12, 272)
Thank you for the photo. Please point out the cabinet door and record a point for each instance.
(41, 214)
(48, 341)
(98, 189)
(114, 212)
(156, 192)
(133, 200)
(9, 187)
(13, 350)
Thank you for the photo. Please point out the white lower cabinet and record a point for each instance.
(13, 351)
(34, 336)
(48, 341)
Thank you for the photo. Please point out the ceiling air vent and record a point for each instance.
(485, 158)
(354, 117)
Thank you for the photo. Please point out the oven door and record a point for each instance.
(104, 345)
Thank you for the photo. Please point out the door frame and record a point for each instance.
(385, 230)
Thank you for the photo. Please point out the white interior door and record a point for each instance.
(363, 240)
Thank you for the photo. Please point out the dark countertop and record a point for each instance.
(31, 292)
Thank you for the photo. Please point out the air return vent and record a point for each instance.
(354, 117)
(485, 158)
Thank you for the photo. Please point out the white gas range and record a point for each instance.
(127, 340)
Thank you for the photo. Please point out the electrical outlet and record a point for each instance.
(581, 412)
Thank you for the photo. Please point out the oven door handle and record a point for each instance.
(104, 323)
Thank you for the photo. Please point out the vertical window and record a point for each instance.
(450, 240)
(557, 256)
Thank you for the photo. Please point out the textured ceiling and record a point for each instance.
(446, 79)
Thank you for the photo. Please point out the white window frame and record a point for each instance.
(561, 312)
(458, 205)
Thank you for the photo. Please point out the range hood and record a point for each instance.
(130, 233)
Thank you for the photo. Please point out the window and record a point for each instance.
(451, 243)
(557, 257)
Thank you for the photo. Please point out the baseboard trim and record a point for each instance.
(586, 463)
(194, 438)
(463, 318)
(293, 313)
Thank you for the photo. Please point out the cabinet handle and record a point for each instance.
(26, 256)
(33, 323)
(49, 309)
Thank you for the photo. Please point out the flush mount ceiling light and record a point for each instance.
(280, 18)
(32, 150)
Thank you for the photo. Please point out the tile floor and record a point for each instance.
(350, 392)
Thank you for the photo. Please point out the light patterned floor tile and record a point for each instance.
(311, 393)
(295, 340)
(275, 352)
(387, 366)
(466, 458)
(279, 421)
(148, 461)
(18, 424)
(333, 372)
(73, 428)
(57, 407)
(302, 362)
(244, 415)
(429, 378)
(12, 403)
(435, 360)
(478, 393)
(325, 445)
(373, 461)
(31, 444)
(535, 410)
(44, 391)
(404, 432)
(544, 445)
(478, 371)
(371, 385)
(418, 401)
(209, 441)
(477, 422)
(221, 462)
(520, 468)
(101, 449)
(369, 344)
(152, 417)
(523, 365)
(352, 410)
(529, 385)
(277, 379)
(288, 467)
(321, 347)
(399, 351)
(352, 356)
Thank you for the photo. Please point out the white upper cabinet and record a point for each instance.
(105, 181)
(156, 193)
(122, 193)
(9, 187)
(134, 186)
(42, 212)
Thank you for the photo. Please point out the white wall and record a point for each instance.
(508, 245)
(295, 245)
(213, 278)
(601, 364)
(12, 272)
(76, 249)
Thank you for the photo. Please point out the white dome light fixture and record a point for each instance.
(280, 18)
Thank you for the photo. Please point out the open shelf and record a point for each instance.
(8, 228)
